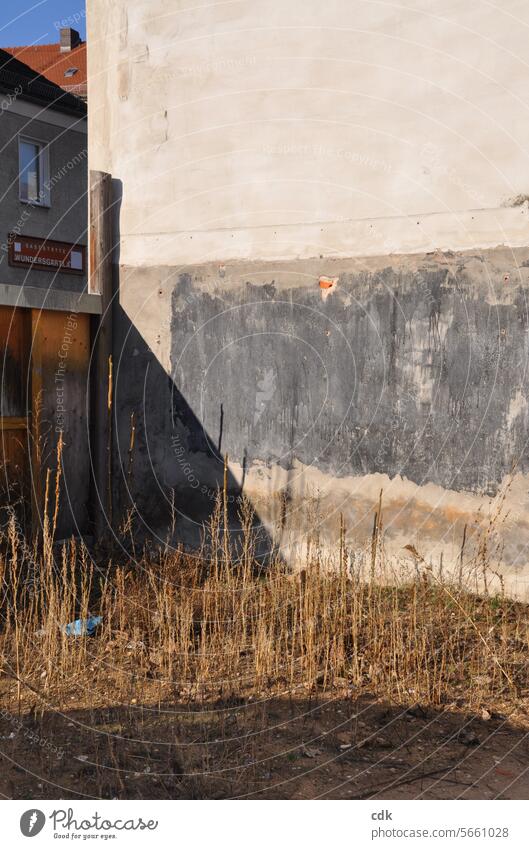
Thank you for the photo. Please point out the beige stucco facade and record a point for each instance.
(240, 115)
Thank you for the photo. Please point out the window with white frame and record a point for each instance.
(33, 166)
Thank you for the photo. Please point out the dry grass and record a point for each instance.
(213, 622)
(213, 627)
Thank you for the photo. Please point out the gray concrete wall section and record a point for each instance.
(409, 375)
(66, 218)
(321, 381)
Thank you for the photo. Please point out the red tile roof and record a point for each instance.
(18, 79)
(47, 59)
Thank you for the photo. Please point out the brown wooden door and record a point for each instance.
(15, 331)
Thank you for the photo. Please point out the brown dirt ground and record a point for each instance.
(341, 747)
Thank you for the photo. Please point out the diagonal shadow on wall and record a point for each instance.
(166, 465)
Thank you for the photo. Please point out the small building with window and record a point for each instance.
(62, 62)
(45, 308)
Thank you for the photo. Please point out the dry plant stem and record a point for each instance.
(58, 475)
(225, 511)
(15, 582)
(132, 440)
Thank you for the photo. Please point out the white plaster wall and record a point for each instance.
(227, 120)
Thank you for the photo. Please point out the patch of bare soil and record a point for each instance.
(345, 747)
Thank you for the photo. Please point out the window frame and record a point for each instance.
(43, 167)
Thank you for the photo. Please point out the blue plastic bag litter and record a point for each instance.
(82, 627)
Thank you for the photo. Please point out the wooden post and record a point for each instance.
(36, 406)
(101, 389)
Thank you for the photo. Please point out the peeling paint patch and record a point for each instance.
(327, 284)
(517, 200)
(123, 79)
(517, 406)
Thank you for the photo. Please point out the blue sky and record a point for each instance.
(39, 21)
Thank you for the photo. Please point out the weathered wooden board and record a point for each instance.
(60, 359)
(14, 350)
(14, 389)
(44, 358)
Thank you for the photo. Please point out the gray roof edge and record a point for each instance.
(30, 297)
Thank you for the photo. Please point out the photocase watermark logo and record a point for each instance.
(63, 822)
(32, 822)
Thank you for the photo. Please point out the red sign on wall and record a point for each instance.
(46, 254)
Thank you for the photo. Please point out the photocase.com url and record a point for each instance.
(461, 832)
